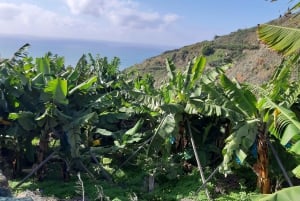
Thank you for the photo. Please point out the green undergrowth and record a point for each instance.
(131, 184)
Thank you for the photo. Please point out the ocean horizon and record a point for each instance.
(73, 49)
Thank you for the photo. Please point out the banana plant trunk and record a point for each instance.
(41, 154)
(261, 167)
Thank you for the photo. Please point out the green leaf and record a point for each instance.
(241, 155)
(83, 119)
(74, 141)
(296, 148)
(85, 85)
(13, 116)
(45, 114)
(43, 65)
(136, 127)
(194, 72)
(38, 80)
(211, 75)
(213, 103)
(286, 194)
(171, 70)
(61, 116)
(238, 142)
(25, 119)
(150, 101)
(198, 68)
(21, 52)
(74, 75)
(282, 39)
(295, 7)
(168, 126)
(243, 99)
(296, 171)
(285, 117)
(289, 132)
(58, 90)
(172, 108)
(189, 74)
(161, 135)
(132, 135)
(105, 132)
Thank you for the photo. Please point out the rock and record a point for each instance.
(5, 192)
(34, 195)
(4, 188)
(15, 199)
(3, 180)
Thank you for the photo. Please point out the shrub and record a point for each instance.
(207, 50)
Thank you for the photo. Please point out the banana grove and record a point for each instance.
(198, 117)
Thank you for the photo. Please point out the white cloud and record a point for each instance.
(121, 13)
(8, 11)
(28, 19)
(111, 20)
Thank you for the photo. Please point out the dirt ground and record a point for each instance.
(36, 196)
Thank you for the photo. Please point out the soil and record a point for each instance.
(36, 196)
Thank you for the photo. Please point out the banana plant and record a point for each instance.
(286, 41)
(267, 113)
(41, 95)
(182, 102)
(273, 114)
(16, 97)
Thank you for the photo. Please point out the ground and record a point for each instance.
(36, 196)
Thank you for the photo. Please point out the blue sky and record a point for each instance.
(156, 22)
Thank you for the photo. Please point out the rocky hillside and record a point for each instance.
(251, 60)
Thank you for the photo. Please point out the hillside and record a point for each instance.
(251, 60)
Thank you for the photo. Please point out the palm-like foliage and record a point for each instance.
(41, 96)
(268, 111)
(282, 39)
(183, 104)
(184, 94)
(285, 40)
(272, 107)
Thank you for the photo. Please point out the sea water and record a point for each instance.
(72, 49)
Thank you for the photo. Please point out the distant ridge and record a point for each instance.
(251, 60)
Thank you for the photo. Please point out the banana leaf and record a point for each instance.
(285, 40)
(290, 194)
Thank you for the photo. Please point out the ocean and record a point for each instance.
(73, 49)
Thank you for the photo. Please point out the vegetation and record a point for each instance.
(98, 129)
(251, 61)
(207, 50)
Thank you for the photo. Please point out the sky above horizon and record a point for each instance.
(159, 23)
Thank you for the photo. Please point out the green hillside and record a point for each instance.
(251, 60)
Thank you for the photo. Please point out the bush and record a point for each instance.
(207, 50)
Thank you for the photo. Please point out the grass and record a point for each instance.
(67, 190)
(130, 185)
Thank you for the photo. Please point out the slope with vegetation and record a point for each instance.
(251, 60)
